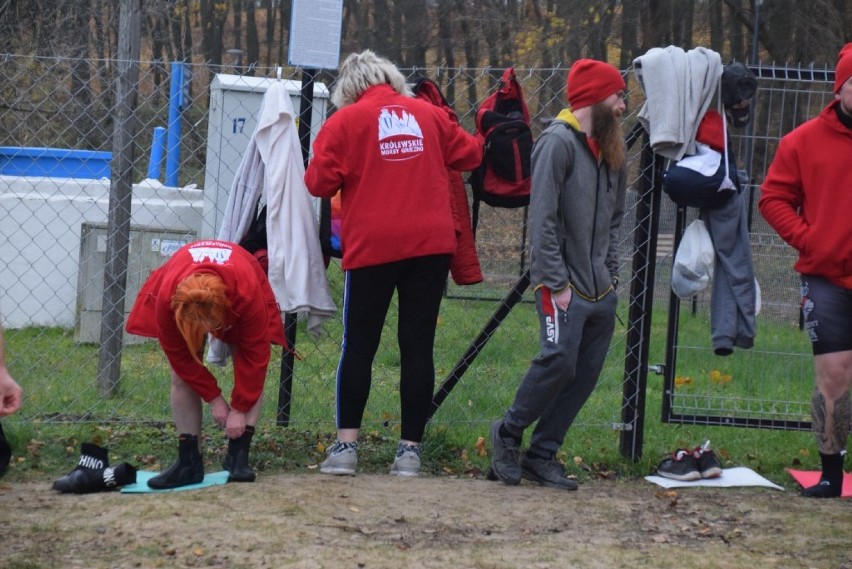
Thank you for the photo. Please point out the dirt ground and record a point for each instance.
(310, 520)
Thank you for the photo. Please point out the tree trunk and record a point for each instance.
(286, 13)
(445, 17)
(471, 54)
(682, 24)
(252, 41)
(717, 32)
(237, 42)
(417, 25)
(213, 15)
(382, 27)
(270, 31)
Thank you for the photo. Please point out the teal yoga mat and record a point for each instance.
(142, 477)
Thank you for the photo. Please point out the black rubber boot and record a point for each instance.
(5, 452)
(92, 458)
(189, 468)
(831, 482)
(236, 461)
(88, 480)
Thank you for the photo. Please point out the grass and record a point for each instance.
(63, 406)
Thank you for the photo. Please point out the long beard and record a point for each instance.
(606, 130)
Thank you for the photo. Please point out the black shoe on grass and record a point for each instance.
(681, 465)
(549, 473)
(505, 456)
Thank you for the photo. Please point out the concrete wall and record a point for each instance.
(40, 238)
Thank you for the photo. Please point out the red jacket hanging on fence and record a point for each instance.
(464, 268)
(808, 182)
(253, 322)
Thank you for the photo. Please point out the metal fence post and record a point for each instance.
(120, 199)
(641, 305)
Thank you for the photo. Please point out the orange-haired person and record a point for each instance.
(217, 288)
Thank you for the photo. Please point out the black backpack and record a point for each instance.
(503, 123)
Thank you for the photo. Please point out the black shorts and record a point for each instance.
(827, 309)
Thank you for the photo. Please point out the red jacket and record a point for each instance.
(807, 196)
(253, 323)
(464, 267)
(389, 154)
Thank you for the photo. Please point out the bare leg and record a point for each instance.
(186, 406)
(348, 435)
(831, 410)
(254, 413)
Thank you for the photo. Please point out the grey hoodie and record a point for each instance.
(576, 207)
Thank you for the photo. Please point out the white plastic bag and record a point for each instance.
(757, 300)
(693, 262)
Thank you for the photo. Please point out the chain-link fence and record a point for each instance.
(56, 128)
(768, 386)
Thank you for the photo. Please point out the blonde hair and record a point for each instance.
(360, 71)
(200, 305)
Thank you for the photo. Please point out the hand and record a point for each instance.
(10, 393)
(563, 298)
(219, 409)
(236, 424)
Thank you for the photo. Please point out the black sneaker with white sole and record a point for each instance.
(681, 465)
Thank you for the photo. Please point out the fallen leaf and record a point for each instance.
(480, 446)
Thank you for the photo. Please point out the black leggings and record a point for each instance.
(419, 283)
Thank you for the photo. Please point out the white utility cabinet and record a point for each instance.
(149, 248)
(234, 104)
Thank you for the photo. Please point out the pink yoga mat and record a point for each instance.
(808, 478)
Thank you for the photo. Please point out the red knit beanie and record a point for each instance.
(591, 81)
(844, 67)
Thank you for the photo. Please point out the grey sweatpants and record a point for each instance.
(560, 379)
(733, 297)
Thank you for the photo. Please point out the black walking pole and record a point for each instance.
(511, 299)
(285, 385)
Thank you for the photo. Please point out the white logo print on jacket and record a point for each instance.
(400, 137)
(207, 252)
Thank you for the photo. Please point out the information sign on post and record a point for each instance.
(315, 33)
(314, 44)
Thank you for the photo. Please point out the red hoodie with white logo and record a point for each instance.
(807, 196)
(389, 154)
(253, 322)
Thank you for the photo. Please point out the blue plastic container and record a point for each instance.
(54, 162)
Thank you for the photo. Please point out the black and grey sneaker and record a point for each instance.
(547, 472)
(706, 461)
(407, 460)
(681, 465)
(342, 459)
(505, 456)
